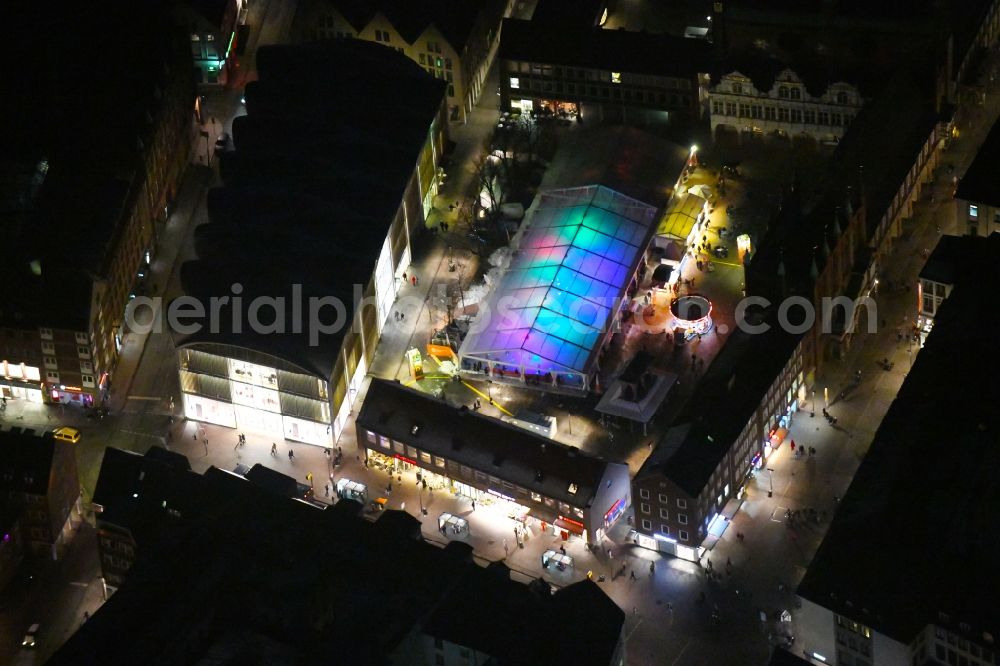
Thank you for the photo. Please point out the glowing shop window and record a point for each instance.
(616, 77)
(973, 211)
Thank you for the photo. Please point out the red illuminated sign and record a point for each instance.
(571, 521)
(405, 459)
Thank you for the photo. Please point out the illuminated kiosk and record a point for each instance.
(692, 313)
(573, 261)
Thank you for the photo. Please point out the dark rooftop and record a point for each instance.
(728, 394)
(73, 126)
(914, 539)
(626, 159)
(946, 262)
(26, 458)
(453, 18)
(481, 442)
(816, 72)
(785, 658)
(314, 585)
(868, 161)
(614, 50)
(892, 11)
(321, 163)
(141, 493)
(980, 183)
(562, 14)
(212, 10)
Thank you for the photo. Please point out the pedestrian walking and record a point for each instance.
(291, 455)
(631, 574)
(205, 442)
(404, 276)
(652, 568)
(610, 554)
(413, 280)
(473, 505)
(309, 478)
(274, 449)
(326, 490)
(506, 548)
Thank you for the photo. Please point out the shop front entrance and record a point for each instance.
(556, 108)
(70, 396)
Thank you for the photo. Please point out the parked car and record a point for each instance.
(29, 637)
(67, 434)
(721, 251)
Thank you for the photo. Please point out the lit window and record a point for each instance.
(973, 211)
(572, 489)
(616, 77)
(515, 82)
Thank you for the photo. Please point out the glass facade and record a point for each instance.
(249, 395)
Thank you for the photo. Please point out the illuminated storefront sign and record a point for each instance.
(616, 510)
(571, 521)
(405, 459)
(502, 496)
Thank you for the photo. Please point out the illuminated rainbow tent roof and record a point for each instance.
(574, 257)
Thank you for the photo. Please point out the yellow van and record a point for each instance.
(67, 434)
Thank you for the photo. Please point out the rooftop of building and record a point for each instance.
(562, 14)
(815, 72)
(453, 18)
(611, 50)
(868, 166)
(979, 185)
(731, 390)
(26, 460)
(636, 163)
(516, 610)
(141, 493)
(319, 170)
(213, 11)
(513, 454)
(313, 585)
(785, 658)
(913, 541)
(945, 263)
(893, 11)
(74, 127)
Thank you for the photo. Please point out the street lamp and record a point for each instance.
(770, 482)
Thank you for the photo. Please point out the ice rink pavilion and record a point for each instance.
(573, 262)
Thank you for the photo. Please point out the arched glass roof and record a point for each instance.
(571, 264)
